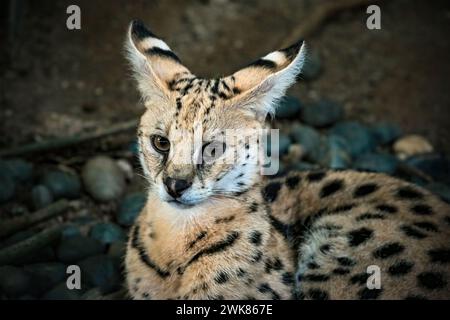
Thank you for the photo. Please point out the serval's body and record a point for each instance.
(218, 230)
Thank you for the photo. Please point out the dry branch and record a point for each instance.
(28, 246)
(13, 225)
(68, 141)
(320, 14)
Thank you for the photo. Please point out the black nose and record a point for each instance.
(175, 187)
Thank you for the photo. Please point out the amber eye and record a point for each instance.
(161, 144)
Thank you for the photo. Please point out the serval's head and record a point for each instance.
(199, 139)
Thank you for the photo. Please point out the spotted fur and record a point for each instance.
(234, 235)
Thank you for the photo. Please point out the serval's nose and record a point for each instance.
(176, 187)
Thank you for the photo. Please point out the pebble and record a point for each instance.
(359, 138)
(76, 248)
(14, 281)
(62, 184)
(338, 153)
(117, 251)
(71, 231)
(386, 133)
(18, 169)
(376, 162)
(322, 113)
(130, 208)
(101, 271)
(308, 137)
(411, 145)
(103, 179)
(288, 107)
(107, 232)
(434, 165)
(41, 196)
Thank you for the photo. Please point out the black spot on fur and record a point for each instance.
(359, 236)
(387, 208)
(225, 219)
(273, 264)
(365, 190)
(439, 255)
(388, 250)
(370, 216)
(431, 280)
(342, 208)
(400, 268)
(256, 237)
(292, 182)
(270, 192)
(425, 225)
(369, 294)
(221, 277)
(143, 256)
(316, 176)
(341, 271)
(331, 188)
(217, 247)
(360, 278)
(317, 294)
(412, 232)
(241, 272)
(199, 237)
(287, 278)
(325, 248)
(312, 265)
(409, 193)
(265, 288)
(422, 209)
(257, 256)
(253, 207)
(346, 262)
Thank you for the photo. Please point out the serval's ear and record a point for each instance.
(258, 86)
(155, 66)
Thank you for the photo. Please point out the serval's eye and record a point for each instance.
(160, 144)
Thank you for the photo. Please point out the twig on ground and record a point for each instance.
(13, 225)
(28, 246)
(68, 141)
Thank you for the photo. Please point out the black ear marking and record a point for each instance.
(139, 31)
(292, 51)
(155, 51)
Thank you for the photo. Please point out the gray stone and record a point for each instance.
(101, 271)
(130, 207)
(103, 179)
(376, 162)
(41, 196)
(107, 232)
(434, 165)
(308, 137)
(46, 275)
(7, 189)
(338, 153)
(359, 137)
(62, 184)
(386, 133)
(18, 169)
(312, 68)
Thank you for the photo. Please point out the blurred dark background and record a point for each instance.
(56, 81)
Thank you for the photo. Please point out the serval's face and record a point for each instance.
(200, 139)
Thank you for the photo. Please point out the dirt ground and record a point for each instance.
(56, 82)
